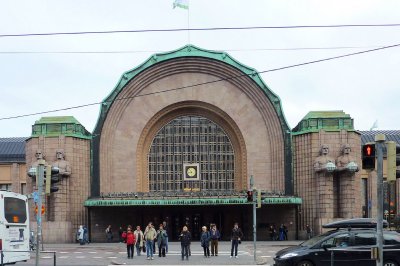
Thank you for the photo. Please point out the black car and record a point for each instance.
(349, 244)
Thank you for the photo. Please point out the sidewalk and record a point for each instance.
(222, 243)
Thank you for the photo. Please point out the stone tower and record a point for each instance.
(326, 160)
(64, 209)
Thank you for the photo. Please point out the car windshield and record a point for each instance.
(314, 240)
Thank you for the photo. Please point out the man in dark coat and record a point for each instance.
(236, 237)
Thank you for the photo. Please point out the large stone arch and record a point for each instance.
(191, 108)
(202, 78)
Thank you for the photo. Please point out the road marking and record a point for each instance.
(97, 257)
(63, 257)
(77, 252)
(111, 257)
(46, 257)
(80, 257)
(64, 252)
(122, 252)
(92, 252)
(265, 256)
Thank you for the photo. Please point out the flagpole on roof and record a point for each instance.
(185, 5)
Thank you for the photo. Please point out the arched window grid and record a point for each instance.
(191, 139)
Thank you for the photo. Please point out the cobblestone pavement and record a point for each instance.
(115, 254)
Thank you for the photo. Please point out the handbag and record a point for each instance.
(144, 248)
(240, 241)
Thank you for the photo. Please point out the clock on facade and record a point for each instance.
(191, 171)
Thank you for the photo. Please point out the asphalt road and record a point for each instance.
(115, 254)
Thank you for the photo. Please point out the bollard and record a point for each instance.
(2, 257)
(54, 257)
(332, 258)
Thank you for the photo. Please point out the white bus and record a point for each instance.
(14, 227)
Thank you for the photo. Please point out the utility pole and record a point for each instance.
(379, 143)
(40, 178)
(253, 189)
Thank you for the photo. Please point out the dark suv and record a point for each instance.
(349, 244)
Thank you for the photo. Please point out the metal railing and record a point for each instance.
(29, 251)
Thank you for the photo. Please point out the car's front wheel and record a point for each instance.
(307, 263)
(390, 263)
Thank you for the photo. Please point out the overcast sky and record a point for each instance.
(366, 86)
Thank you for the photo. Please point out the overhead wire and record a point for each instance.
(226, 50)
(205, 83)
(199, 29)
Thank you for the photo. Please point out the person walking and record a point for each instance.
(236, 238)
(185, 238)
(161, 240)
(139, 238)
(129, 238)
(120, 232)
(85, 235)
(205, 241)
(80, 235)
(308, 231)
(166, 232)
(149, 236)
(109, 234)
(281, 233)
(215, 236)
(272, 232)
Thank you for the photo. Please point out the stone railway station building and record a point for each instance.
(179, 139)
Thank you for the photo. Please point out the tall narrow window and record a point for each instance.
(191, 139)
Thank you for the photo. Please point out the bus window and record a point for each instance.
(14, 210)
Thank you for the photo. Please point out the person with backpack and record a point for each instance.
(205, 241)
(129, 238)
(161, 240)
(150, 235)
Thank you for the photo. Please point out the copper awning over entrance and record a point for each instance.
(99, 202)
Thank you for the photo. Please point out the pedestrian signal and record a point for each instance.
(368, 156)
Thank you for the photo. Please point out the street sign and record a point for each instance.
(35, 195)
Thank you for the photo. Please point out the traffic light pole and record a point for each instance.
(40, 178)
(380, 142)
(254, 217)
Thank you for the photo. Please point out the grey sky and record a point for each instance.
(364, 86)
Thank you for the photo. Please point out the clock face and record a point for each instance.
(191, 171)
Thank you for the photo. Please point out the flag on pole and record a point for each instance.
(375, 125)
(181, 3)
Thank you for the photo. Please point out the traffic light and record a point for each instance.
(393, 160)
(249, 196)
(258, 198)
(52, 177)
(368, 156)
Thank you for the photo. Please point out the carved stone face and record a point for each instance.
(324, 150)
(346, 149)
(39, 154)
(60, 154)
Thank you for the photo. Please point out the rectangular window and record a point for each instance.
(14, 210)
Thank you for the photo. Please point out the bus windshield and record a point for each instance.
(15, 210)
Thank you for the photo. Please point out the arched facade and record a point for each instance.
(190, 81)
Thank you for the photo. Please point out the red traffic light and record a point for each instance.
(369, 150)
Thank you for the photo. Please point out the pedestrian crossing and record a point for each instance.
(121, 254)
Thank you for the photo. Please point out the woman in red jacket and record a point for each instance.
(129, 237)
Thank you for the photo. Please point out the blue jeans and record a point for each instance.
(149, 248)
(166, 244)
(235, 244)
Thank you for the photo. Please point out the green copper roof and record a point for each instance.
(315, 121)
(53, 126)
(190, 51)
(186, 201)
(57, 120)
